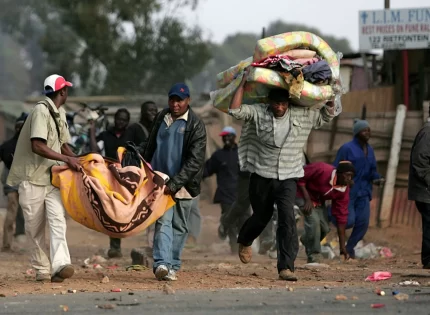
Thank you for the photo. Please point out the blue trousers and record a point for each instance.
(171, 231)
(358, 220)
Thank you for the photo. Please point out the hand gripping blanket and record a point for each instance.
(111, 199)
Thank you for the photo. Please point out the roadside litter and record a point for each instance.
(330, 250)
(379, 276)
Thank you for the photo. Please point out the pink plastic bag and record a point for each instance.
(379, 275)
(386, 252)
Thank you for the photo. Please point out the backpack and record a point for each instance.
(131, 156)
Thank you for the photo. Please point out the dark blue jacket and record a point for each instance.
(365, 167)
(225, 164)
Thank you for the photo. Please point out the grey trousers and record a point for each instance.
(316, 229)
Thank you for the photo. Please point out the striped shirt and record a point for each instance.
(258, 152)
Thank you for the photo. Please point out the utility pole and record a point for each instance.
(387, 4)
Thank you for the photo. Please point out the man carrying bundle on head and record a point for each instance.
(273, 154)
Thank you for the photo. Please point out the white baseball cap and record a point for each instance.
(54, 83)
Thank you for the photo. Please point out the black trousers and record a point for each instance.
(115, 243)
(424, 209)
(239, 212)
(263, 193)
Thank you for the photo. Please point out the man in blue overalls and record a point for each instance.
(362, 156)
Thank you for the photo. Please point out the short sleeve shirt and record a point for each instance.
(27, 165)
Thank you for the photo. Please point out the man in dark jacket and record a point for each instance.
(139, 132)
(225, 164)
(176, 146)
(418, 188)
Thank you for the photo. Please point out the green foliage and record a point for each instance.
(109, 46)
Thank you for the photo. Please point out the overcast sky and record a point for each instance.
(219, 18)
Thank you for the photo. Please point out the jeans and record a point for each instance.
(358, 220)
(171, 231)
(424, 209)
(195, 220)
(264, 193)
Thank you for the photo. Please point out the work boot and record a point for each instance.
(287, 275)
(139, 256)
(114, 253)
(63, 273)
(245, 253)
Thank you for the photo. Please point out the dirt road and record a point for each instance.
(210, 266)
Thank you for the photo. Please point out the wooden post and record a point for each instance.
(366, 70)
(396, 145)
(363, 112)
(333, 133)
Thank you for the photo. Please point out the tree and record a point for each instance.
(111, 47)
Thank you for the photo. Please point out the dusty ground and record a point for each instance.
(209, 265)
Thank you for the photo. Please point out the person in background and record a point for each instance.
(113, 138)
(176, 147)
(42, 144)
(361, 155)
(225, 164)
(273, 155)
(322, 182)
(418, 187)
(194, 222)
(14, 211)
(138, 132)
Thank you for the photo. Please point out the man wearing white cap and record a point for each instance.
(41, 145)
(225, 164)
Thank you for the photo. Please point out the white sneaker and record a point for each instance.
(161, 272)
(171, 276)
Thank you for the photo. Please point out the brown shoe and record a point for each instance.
(287, 275)
(63, 273)
(245, 253)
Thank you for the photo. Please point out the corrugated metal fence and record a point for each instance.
(403, 212)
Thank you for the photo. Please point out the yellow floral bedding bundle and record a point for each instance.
(111, 199)
(300, 62)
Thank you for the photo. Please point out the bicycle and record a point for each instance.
(79, 132)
